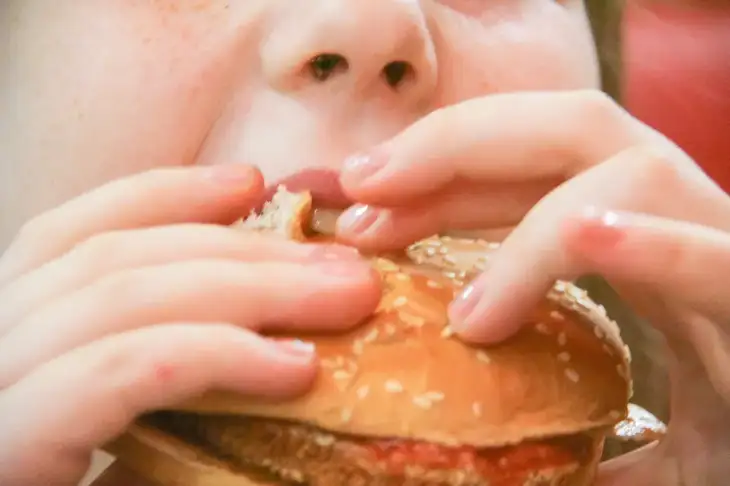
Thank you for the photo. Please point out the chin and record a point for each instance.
(401, 400)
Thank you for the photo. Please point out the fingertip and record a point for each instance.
(485, 330)
(473, 315)
(234, 176)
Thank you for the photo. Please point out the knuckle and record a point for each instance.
(99, 251)
(124, 288)
(653, 166)
(597, 109)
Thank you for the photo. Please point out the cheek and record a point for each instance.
(110, 88)
(550, 48)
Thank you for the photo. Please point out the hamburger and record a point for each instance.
(401, 400)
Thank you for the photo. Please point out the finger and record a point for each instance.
(684, 262)
(499, 138)
(467, 207)
(164, 196)
(129, 249)
(533, 256)
(636, 467)
(79, 401)
(326, 296)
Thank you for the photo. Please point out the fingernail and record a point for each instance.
(345, 269)
(229, 174)
(462, 310)
(296, 347)
(362, 167)
(333, 253)
(359, 218)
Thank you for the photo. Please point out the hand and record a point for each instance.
(582, 187)
(131, 298)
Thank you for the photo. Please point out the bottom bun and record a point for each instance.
(169, 460)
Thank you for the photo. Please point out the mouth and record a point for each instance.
(323, 184)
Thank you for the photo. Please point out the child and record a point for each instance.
(465, 115)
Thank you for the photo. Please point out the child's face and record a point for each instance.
(97, 90)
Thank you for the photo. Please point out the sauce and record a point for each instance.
(503, 466)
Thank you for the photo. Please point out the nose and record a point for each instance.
(370, 46)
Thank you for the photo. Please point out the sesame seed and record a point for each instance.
(450, 259)
(411, 320)
(572, 375)
(483, 357)
(562, 339)
(387, 265)
(400, 301)
(342, 375)
(564, 357)
(402, 277)
(358, 347)
(371, 336)
(363, 392)
(422, 402)
(542, 328)
(434, 285)
(294, 475)
(328, 363)
(393, 386)
(324, 440)
(435, 396)
(557, 316)
(431, 252)
(389, 329)
(351, 366)
(493, 246)
(447, 332)
(346, 415)
(477, 409)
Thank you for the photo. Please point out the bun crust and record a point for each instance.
(404, 374)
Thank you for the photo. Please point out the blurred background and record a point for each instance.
(677, 75)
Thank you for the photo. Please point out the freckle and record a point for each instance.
(164, 373)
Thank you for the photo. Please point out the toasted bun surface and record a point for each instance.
(404, 373)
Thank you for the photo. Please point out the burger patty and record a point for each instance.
(307, 455)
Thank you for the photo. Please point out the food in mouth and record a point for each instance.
(401, 400)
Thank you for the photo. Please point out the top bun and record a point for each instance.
(405, 374)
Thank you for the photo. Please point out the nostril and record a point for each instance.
(396, 72)
(323, 66)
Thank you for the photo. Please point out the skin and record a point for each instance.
(150, 119)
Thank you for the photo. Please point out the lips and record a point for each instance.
(323, 184)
